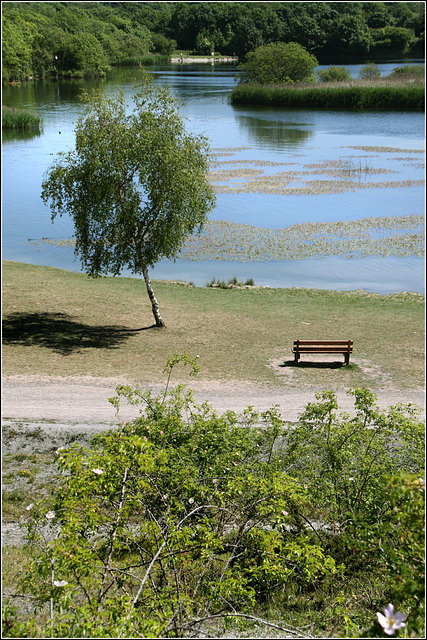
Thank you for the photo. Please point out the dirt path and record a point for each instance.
(85, 399)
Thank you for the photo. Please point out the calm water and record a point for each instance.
(268, 134)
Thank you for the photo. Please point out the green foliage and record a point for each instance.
(345, 460)
(334, 74)
(232, 282)
(278, 63)
(370, 71)
(397, 540)
(135, 185)
(161, 44)
(351, 97)
(177, 515)
(391, 38)
(181, 517)
(19, 119)
(35, 32)
(408, 70)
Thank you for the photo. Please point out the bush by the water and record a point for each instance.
(334, 74)
(370, 71)
(409, 70)
(347, 96)
(278, 63)
(19, 119)
(182, 519)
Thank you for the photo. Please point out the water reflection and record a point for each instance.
(275, 133)
(11, 135)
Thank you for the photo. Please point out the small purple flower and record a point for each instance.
(391, 621)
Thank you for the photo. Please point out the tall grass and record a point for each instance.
(19, 119)
(351, 96)
(133, 61)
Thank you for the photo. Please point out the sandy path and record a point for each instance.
(85, 399)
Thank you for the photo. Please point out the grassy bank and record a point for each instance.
(19, 119)
(62, 324)
(348, 96)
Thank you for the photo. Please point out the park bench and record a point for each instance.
(323, 346)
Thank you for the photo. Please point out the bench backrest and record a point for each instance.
(338, 344)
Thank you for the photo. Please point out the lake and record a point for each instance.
(274, 168)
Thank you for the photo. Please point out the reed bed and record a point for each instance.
(356, 95)
(20, 119)
(134, 61)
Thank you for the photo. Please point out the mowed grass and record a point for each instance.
(60, 323)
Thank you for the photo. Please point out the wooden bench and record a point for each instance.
(323, 346)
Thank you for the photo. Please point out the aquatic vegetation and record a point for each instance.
(234, 149)
(383, 149)
(280, 181)
(384, 236)
(19, 119)
(230, 241)
(229, 174)
(257, 163)
(355, 95)
(277, 184)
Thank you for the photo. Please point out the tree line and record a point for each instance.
(69, 38)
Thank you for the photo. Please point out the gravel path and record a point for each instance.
(85, 399)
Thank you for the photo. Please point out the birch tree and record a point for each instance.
(135, 184)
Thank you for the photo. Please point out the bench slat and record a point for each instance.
(323, 342)
(323, 350)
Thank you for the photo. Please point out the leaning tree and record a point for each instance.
(135, 184)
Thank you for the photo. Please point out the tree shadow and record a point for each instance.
(61, 333)
(313, 365)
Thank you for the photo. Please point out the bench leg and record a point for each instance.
(346, 358)
(296, 358)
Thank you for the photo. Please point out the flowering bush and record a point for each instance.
(183, 517)
(174, 517)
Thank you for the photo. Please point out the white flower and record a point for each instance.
(60, 583)
(98, 471)
(191, 500)
(391, 621)
(284, 513)
(214, 480)
(30, 506)
(50, 515)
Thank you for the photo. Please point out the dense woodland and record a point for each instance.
(76, 38)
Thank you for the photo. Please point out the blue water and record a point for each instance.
(269, 134)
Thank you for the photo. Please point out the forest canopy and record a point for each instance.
(79, 38)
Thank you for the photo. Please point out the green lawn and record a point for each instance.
(61, 323)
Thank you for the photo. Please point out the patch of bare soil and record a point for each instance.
(374, 377)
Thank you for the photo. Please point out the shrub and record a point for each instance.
(161, 44)
(178, 515)
(408, 70)
(370, 71)
(345, 460)
(334, 74)
(278, 63)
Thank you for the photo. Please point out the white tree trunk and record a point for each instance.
(153, 299)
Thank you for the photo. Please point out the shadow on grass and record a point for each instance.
(61, 333)
(317, 365)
